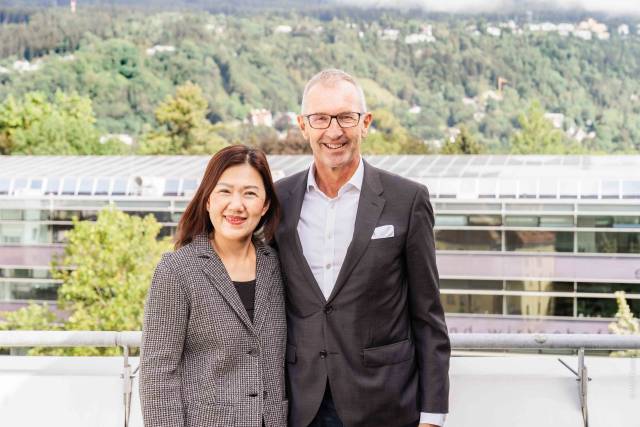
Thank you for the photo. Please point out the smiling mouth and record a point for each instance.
(234, 220)
(334, 146)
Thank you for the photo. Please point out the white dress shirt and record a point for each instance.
(325, 229)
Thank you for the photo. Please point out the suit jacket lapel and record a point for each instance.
(265, 267)
(294, 205)
(214, 269)
(369, 209)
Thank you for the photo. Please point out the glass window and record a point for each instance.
(189, 187)
(609, 288)
(609, 221)
(102, 187)
(539, 286)
(602, 242)
(69, 186)
(508, 189)
(86, 186)
(631, 189)
(539, 241)
(603, 307)
(470, 284)
(470, 240)
(24, 233)
(556, 221)
(19, 185)
(59, 233)
(119, 187)
(11, 214)
(610, 189)
(451, 220)
(171, 187)
(32, 291)
(521, 221)
(589, 189)
(477, 304)
(4, 185)
(485, 220)
(534, 305)
(36, 184)
(175, 216)
(53, 186)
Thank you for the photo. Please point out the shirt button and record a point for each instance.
(328, 266)
(328, 309)
(323, 354)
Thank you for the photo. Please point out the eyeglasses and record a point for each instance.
(323, 121)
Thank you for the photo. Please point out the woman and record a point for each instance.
(214, 331)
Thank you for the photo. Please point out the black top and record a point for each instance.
(247, 292)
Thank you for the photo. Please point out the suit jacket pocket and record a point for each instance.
(200, 414)
(388, 354)
(291, 353)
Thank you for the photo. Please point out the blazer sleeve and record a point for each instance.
(165, 323)
(433, 348)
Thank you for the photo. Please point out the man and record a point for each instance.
(368, 344)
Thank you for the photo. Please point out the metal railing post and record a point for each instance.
(127, 385)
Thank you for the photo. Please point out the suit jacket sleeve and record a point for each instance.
(433, 349)
(165, 322)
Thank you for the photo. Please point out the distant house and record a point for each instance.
(548, 27)
(390, 34)
(416, 109)
(261, 117)
(623, 30)
(25, 66)
(583, 34)
(160, 49)
(564, 29)
(557, 119)
(419, 38)
(282, 29)
(494, 31)
(123, 138)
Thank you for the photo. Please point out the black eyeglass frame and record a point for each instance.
(335, 116)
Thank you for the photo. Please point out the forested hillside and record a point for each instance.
(188, 82)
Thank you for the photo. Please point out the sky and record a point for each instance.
(615, 7)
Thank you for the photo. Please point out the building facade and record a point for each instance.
(524, 243)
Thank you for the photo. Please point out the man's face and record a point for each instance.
(334, 147)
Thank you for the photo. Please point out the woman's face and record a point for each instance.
(237, 203)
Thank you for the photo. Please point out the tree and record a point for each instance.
(186, 128)
(625, 324)
(464, 143)
(33, 125)
(105, 271)
(537, 134)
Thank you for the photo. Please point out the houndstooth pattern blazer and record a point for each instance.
(203, 362)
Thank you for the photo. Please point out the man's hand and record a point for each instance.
(427, 425)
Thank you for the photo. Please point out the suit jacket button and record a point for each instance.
(253, 352)
(323, 354)
(253, 395)
(328, 309)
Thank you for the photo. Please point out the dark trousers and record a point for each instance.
(327, 415)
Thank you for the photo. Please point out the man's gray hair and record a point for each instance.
(330, 77)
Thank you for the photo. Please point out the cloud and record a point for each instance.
(616, 7)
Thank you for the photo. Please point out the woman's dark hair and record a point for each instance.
(195, 219)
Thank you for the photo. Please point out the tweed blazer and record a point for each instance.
(203, 362)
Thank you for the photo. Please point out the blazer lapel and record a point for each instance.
(294, 205)
(214, 269)
(369, 209)
(266, 264)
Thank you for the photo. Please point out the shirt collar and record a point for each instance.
(355, 181)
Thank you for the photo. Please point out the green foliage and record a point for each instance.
(241, 62)
(537, 134)
(33, 125)
(625, 324)
(186, 128)
(464, 143)
(388, 136)
(105, 271)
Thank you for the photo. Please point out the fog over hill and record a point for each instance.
(546, 8)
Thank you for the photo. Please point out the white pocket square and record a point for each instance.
(382, 232)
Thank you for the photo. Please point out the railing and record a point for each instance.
(128, 340)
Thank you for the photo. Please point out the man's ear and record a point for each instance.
(303, 126)
(366, 122)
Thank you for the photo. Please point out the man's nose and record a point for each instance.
(334, 129)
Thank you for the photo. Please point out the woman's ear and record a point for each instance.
(265, 208)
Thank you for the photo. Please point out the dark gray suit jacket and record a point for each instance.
(381, 339)
(203, 362)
